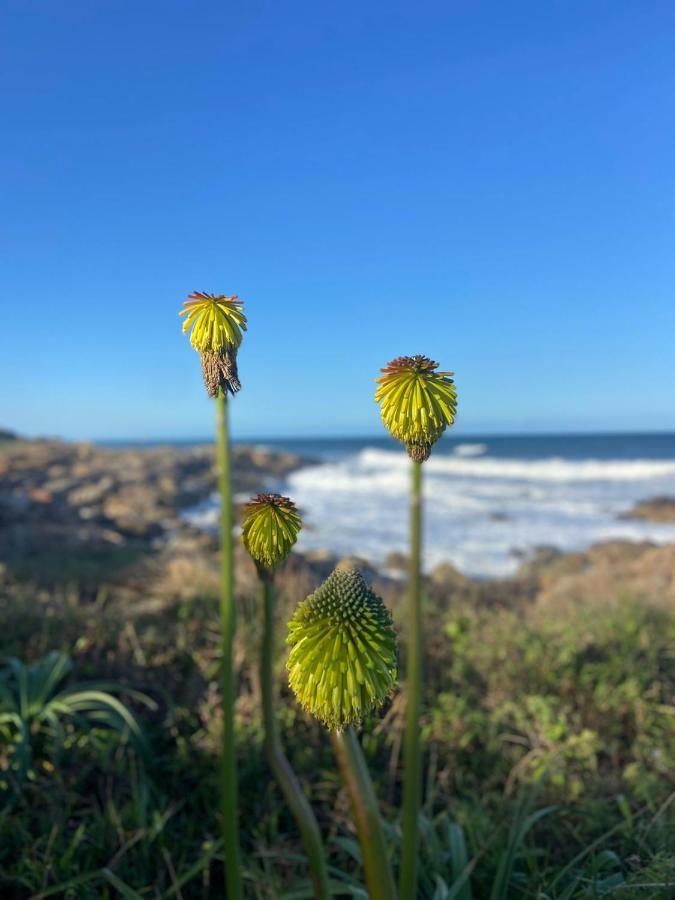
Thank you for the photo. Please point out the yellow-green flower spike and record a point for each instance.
(270, 528)
(417, 402)
(217, 324)
(344, 658)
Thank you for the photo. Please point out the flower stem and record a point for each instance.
(297, 802)
(230, 810)
(412, 758)
(352, 765)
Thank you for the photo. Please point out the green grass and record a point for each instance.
(548, 740)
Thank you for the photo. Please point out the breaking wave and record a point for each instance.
(482, 513)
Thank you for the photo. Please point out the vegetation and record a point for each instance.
(547, 739)
(534, 761)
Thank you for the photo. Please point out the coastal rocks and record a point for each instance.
(79, 498)
(89, 492)
(655, 509)
(616, 569)
(445, 575)
(396, 563)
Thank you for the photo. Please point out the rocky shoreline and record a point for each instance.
(76, 497)
(89, 513)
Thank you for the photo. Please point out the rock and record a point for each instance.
(134, 511)
(395, 562)
(91, 492)
(77, 498)
(549, 562)
(40, 495)
(446, 575)
(610, 571)
(363, 566)
(655, 509)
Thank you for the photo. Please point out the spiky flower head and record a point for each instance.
(343, 658)
(270, 528)
(417, 402)
(217, 324)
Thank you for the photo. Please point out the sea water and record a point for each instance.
(489, 502)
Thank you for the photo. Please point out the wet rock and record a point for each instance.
(655, 509)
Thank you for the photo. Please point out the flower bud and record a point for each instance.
(417, 403)
(270, 528)
(343, 660)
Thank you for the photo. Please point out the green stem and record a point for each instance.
(412, 758)
(354, 772)
(229, 810)
(289, 784)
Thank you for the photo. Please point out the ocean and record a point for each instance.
(490, 502)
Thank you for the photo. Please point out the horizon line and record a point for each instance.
(346, 436)
(464, 436)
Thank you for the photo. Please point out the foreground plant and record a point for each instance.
(269, 531)
(37, 709)
(417, 404)
(216, 324)
(342, 665)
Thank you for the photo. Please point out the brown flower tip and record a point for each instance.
(277, 500)
(421, 364)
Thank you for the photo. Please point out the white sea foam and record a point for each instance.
(482, 513)
(551, 469)
(470, 449)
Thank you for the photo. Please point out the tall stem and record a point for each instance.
(229, 801)
(297, 802)
(354, 772)
(412, 759)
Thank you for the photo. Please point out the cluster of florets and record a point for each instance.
(417, 402)
(343, 661)
(270, 528)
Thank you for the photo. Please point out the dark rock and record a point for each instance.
(655, 509)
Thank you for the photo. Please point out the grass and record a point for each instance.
(548, 746)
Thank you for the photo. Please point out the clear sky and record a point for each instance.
(488, 183)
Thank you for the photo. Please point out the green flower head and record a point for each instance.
(417, 403)
(343, 658)
(270, 528)
(216, 324)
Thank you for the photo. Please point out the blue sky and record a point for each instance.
(490, 184)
